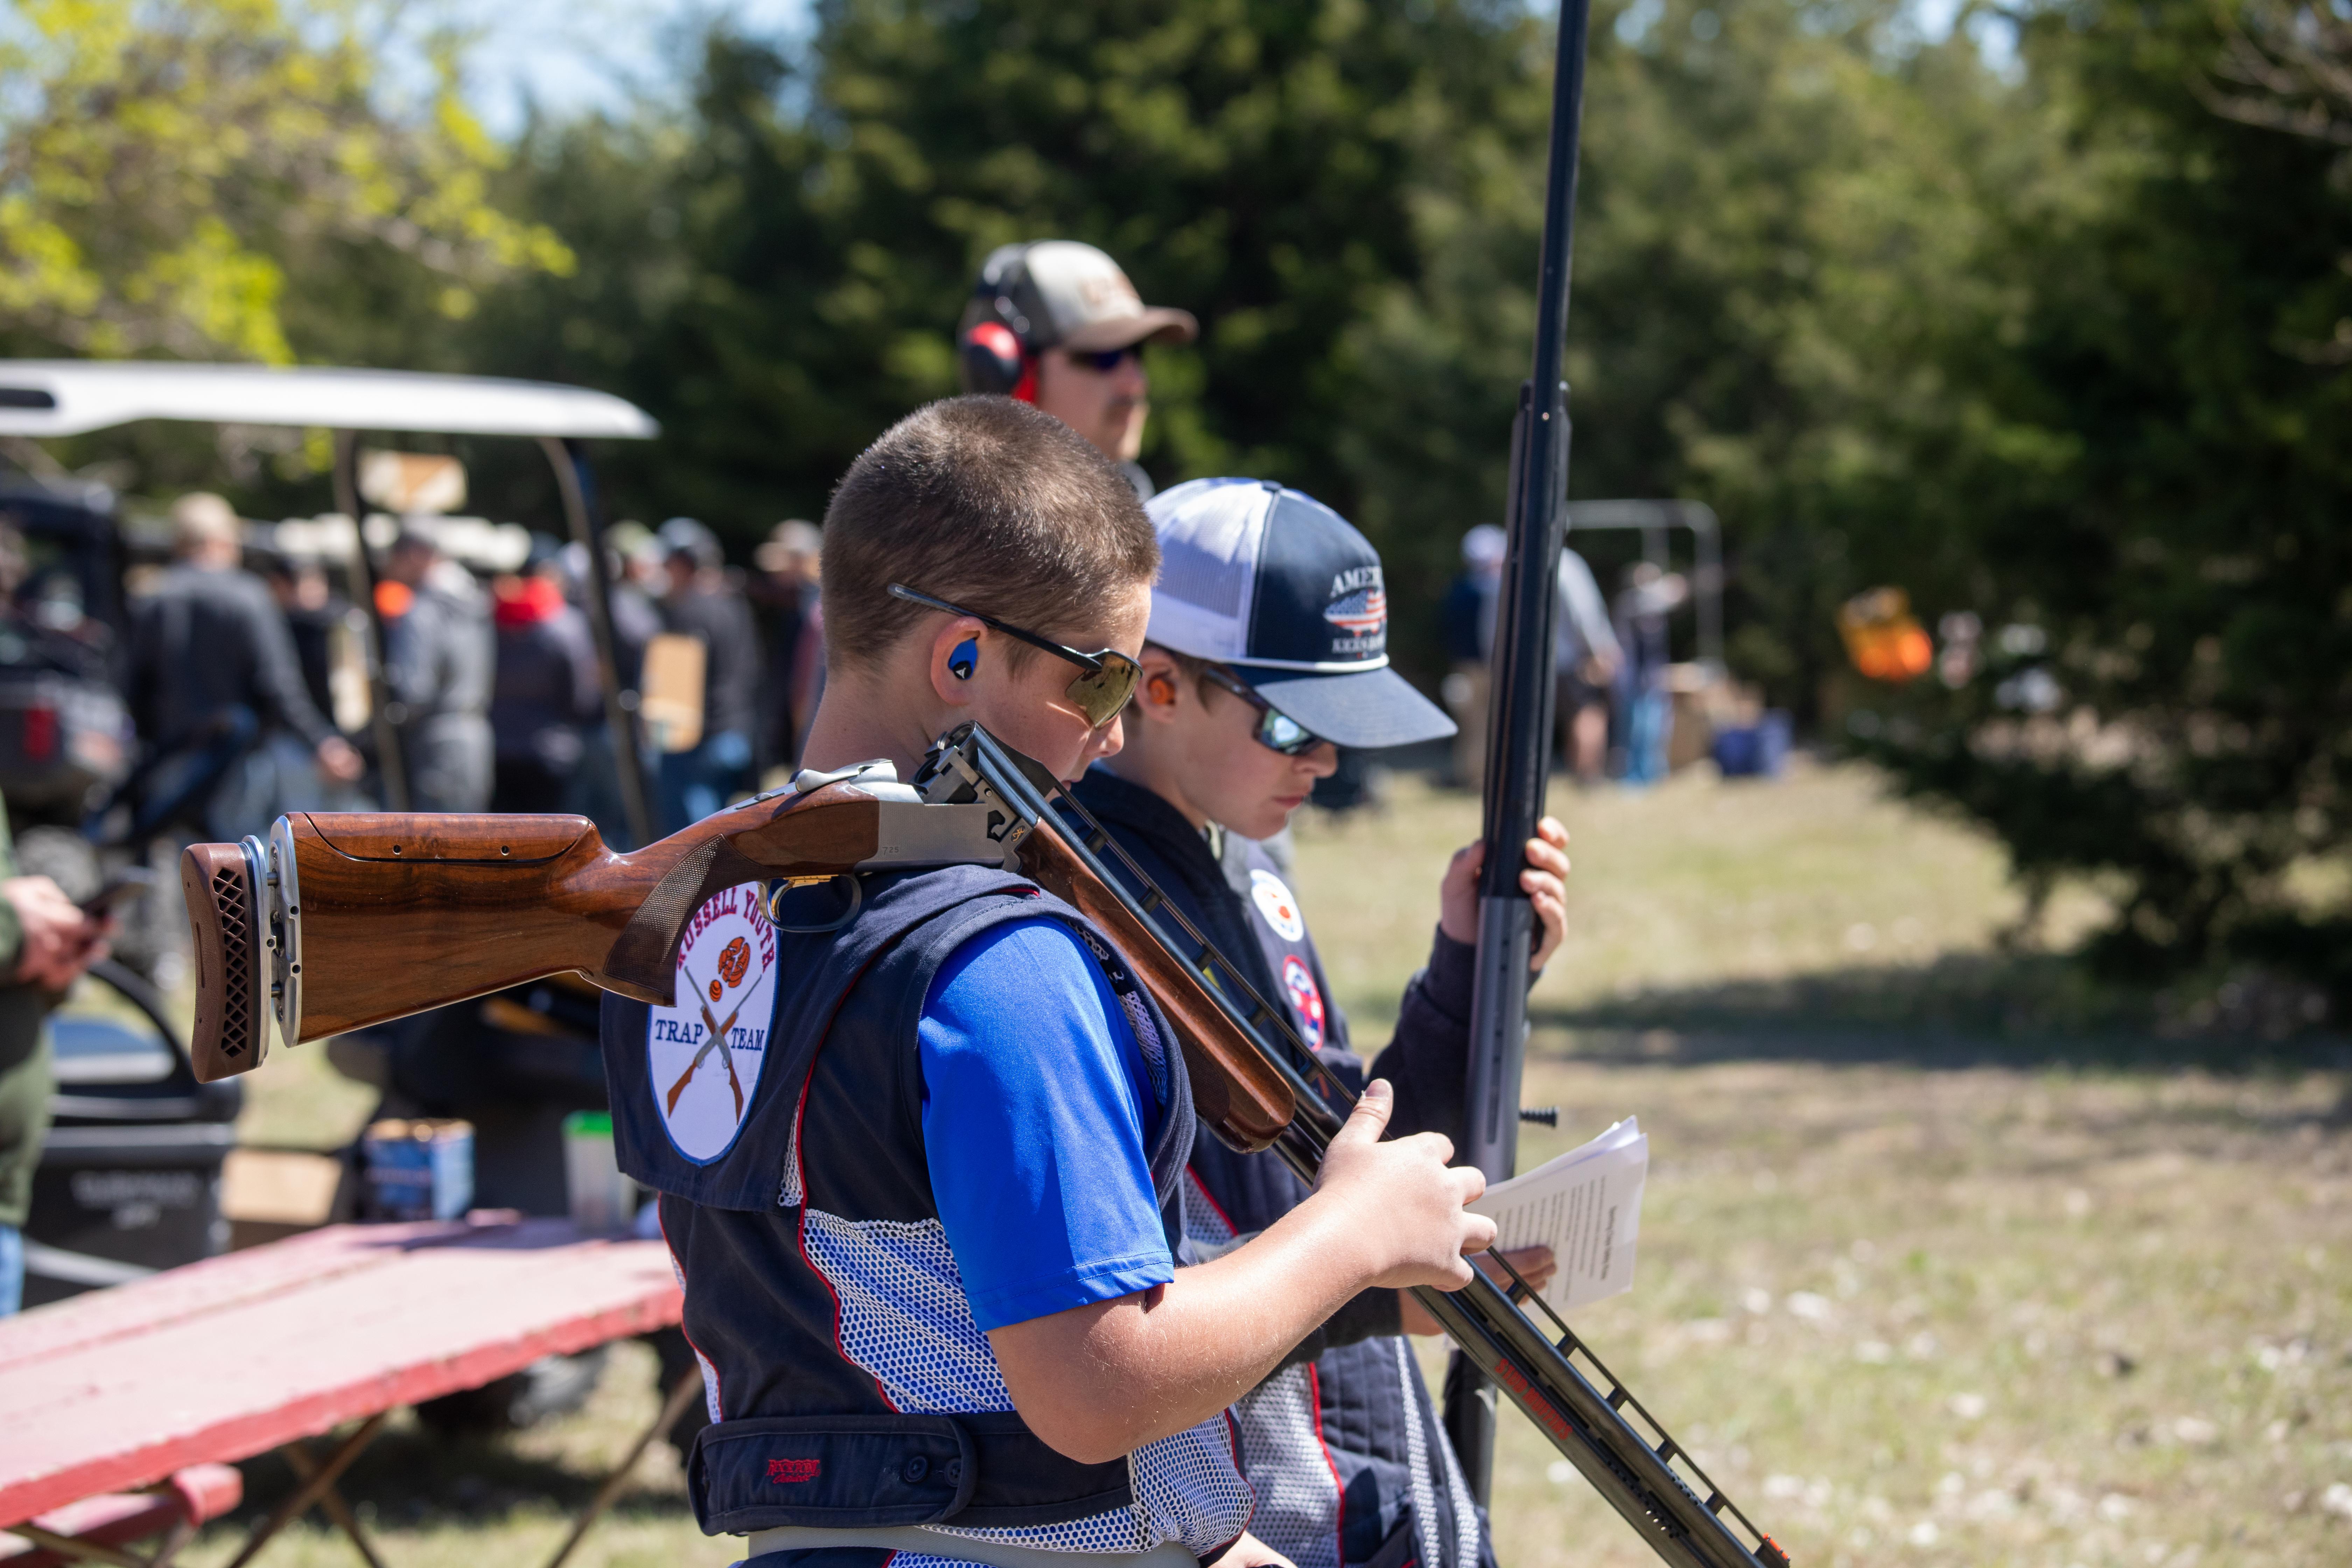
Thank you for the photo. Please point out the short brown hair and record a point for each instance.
(987, 502)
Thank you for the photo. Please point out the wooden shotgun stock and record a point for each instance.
(346, 920)
(1234, 1089)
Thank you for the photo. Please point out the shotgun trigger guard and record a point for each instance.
(771, 904)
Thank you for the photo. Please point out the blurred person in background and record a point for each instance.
(312, 612)
(787, 591)
(1645, 705)
(438, 654)
(702, 603)
(46, 943)
(1585, 657)
(544, 697)
(1056, 323)
(1469, 626)
(631, 564)
(211, 673)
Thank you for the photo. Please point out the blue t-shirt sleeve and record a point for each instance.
(1035, 1106)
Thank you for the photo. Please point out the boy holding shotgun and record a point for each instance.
(1266, 650)
(928, 1256)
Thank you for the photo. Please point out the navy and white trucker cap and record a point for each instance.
(1281, 590)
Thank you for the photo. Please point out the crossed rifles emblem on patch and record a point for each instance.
(734, 963)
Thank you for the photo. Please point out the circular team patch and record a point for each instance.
(1305, 1000)
(1275, 902)
(703, 1054)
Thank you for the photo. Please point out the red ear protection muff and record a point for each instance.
(993, 362)
(995, 354)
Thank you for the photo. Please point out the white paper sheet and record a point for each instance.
(1586, 1206)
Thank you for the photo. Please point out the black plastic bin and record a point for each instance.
(129, 1180)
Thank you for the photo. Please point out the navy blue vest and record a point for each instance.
(1342, 1445)
(776, 1108)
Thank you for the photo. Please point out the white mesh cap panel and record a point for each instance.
(1208, 565)
(905, 1319)
(1290, 1469)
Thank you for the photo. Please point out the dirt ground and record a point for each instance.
(1948, 1257)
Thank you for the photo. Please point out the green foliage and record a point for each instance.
(2153, 470)
(1282, 171)
(165, 164)
(2063, 348)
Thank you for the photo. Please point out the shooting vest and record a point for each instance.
(777, 1110)
(1350, 1466)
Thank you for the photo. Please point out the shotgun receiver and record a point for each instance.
(341, 920)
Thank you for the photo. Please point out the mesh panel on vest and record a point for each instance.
(906, 1320)
(791, 1195)
(709, 1372)
(1465, 1507)
(904, 1317)
(1191, 1487)
(1139, 1014)
(1298, 1498)
(1416, 1443)
(1284, 1455)
(1187, 1488)
(1203, 1220)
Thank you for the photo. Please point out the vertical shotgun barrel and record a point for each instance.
(1519, 723)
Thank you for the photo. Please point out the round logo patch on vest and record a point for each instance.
(1275, 902)
(703, 1053)
(1305, 1000)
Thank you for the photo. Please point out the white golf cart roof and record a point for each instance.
(66, 397)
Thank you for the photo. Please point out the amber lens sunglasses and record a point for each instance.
(1108, 676)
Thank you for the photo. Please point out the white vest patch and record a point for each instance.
(703, 1053)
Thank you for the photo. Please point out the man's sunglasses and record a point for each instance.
(1100, 693)
(1102, 362)
(1276, 730)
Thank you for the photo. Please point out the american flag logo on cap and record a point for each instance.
(1363, 612)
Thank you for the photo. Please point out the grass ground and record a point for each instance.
(1947, 1258)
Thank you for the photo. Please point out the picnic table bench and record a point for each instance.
(157, 1383)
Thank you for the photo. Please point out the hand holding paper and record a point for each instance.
(1586, 1206)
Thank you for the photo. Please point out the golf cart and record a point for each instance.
(129, 1181)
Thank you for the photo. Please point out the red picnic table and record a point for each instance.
(169, 1377)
